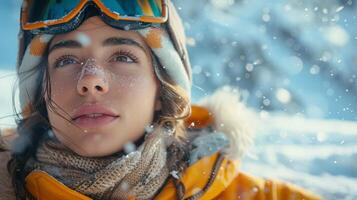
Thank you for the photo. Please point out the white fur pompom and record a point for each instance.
(232, 118)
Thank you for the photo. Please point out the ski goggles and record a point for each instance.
(53, 16)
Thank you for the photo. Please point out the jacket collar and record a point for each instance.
(205, 179)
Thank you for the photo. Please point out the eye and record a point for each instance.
(65, 60)
(124, 56)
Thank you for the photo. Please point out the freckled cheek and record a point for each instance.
(133, 83)
(62, 87)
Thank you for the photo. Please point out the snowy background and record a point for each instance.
(294, 62)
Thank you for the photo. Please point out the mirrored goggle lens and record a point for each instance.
(50, 10)
(135, 8)
(47, 10)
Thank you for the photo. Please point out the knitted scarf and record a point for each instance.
(139, 174)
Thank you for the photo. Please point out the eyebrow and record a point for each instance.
(122, 41)
(65, 44)
(108, 42)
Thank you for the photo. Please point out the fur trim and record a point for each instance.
(6, 189)
(6, 137)
(232, 118)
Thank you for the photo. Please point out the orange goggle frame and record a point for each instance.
(145, 6)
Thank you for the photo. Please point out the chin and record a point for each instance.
(89, 147)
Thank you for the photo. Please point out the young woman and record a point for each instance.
(105, 96)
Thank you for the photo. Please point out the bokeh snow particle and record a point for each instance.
(266, 102)
(266, 17)
(191, 41)
(321, 136)
(337, 35)
(222, 4)
(283, 95)
(129, 147)
(315, 69)
(124, 186)
(249, 67)
(340, 8)
(149, 128)
(83, 39)
(174, 174)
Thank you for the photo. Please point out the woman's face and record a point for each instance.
(103, 84)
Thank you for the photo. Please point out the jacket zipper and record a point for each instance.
(213, 175)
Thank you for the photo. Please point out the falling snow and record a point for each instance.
(295, 64)
(303, 85)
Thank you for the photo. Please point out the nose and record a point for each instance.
(92, 85)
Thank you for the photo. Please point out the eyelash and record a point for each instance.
(69, 57)
(63, 58)
(125, 53)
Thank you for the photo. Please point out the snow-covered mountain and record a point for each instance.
(295, 56)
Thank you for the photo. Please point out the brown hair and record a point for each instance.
(33, 128)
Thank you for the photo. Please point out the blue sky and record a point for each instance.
(9, 22)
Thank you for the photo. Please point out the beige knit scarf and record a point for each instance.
(140, 173)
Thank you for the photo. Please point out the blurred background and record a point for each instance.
(294, 62)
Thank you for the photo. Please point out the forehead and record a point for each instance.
(94, 31)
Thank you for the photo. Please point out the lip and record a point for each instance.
(93, 116)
